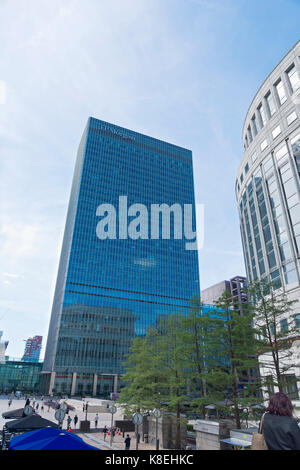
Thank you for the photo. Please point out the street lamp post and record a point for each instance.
(137, 419)
(112, 410)
(156, 414)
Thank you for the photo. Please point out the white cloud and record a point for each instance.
(18, 240)
(2, 92)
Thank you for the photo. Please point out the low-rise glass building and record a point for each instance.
(16, 374)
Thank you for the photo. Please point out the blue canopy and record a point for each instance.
(49, 439)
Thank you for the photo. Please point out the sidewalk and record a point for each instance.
(96, 439)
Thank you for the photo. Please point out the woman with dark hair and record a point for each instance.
(279, 428)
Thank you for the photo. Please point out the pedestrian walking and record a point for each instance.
(104, 432)
(27, 402)
(279, 428)
(127, 442)
(113, 432)
(96, 420)
(37, 406)
(9, 402)
(69, 420)
(42, 408)
(75, 420)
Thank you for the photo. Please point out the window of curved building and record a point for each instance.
(291, 118)
(270, 104)
(293, 78)
(290, 274)
(253, 157)
(276, 132)
(276, 279)
(264, 145)
(262, 115)
(254, 124)
(295, 143)
(281, 154)
(280, 92)
(250, 134)
(297, 320)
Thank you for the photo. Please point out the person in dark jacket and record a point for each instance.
(127, 442)
(279, 428)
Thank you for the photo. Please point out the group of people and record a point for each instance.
(113, 432)
(35, 404)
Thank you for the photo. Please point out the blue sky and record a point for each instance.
(184, 71)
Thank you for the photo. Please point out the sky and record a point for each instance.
(184, 71)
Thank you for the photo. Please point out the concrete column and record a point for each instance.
(73, 387)
(115, 384)
(95, 384)
(52, 380)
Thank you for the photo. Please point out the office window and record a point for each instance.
(242, 178)
(281, 154)
(264, 145)
(293, 77)
(262, 115)
(270, 104)
(276, 132)
(246, 168)
(289, 386)
(253, 157)
(290, 274)
(254, 125)
(280, 92)
(284, 325)
(250, 134)
(297, 320)
(291, 117)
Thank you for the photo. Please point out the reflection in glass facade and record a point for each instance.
(270, 219)
(15, 374)
(108, 291)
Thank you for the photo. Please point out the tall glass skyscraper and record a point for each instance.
(111, 288)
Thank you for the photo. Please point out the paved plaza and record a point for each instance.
(95, 438)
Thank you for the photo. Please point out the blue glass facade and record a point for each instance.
(108, 291)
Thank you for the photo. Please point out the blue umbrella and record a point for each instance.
(49, 439)
(36, 435)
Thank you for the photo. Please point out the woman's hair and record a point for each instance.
(280, 404)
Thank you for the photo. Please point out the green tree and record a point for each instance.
(200, 350)
(236, 355)
(155, 375)
(144, 377)
(275, 330)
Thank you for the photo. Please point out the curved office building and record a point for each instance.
(268, 180)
